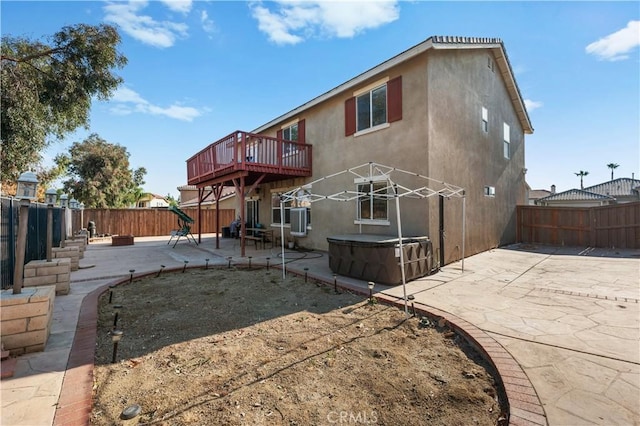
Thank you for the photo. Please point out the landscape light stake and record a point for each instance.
(206, 265)
(116, 335)
(411, 297)
(131, 271)
(268, 262)
(250, 262)
(306, 270)
(335, 283)
(111, 287)
(370, 284)
(116, 309)
(160, 271)
(184, 268)
(229, 259)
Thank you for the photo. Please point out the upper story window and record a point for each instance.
(485, 119)
(371, 108)
(292, 131)
(506, 140)
(374, 106)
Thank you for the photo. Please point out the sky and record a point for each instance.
(200, 70)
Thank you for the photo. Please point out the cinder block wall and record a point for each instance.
(80, 243)
(71, 252)
(25, 319)
(57, 273)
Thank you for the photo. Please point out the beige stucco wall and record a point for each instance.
(439, 136)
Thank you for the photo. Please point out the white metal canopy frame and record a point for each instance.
(378, 173)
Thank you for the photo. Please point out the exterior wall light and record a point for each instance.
(27, 186)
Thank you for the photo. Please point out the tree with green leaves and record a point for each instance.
(172, 201)
(99, 174)
(582, 174)
(47, 87)
(612, 166)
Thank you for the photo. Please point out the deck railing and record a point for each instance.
(247, 151)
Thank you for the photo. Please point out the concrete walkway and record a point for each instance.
(570, 319)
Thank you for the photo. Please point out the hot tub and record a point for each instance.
(377, 257)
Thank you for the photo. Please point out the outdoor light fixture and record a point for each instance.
(116, 309)
(116, 335)
(411, 297)
(111, 287)
(51, 196)
(131, 271)
(64, 201)
(335, 283)
(184, 268)
(268, 258)
(206, 265)
(229, 259)
(27, 186)
(306, 270)
(74, 204)
(249, 262)
(160, 271)
(131, 412)
(370, 284)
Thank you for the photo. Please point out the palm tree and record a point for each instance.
(582, 174)
(612, 166)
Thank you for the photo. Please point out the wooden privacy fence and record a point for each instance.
(616, 226)
(148, 222)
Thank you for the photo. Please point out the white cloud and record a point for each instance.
(207, 24)
(531, 105)
(291, 22)
(142, 27)
(128, 101)
(615, 47)
(182, 6)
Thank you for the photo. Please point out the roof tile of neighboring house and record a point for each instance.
(539, 193)
(575, 195)
(620, 187)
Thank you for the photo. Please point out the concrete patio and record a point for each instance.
(570, 318)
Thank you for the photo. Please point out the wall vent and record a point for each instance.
(299, 222)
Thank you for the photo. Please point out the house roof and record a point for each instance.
(620, 187)
(539, 193)
(436, 42)
(576, 195)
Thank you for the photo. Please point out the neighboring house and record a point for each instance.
(189, 198)
(536, 194)
(448, 108)
(149, 200)
(617, 191)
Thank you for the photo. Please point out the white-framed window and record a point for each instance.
(371, 108)
(372, 204)
(485, 120)
(303, 200)
(489, 191)
(290, 133)
(506, 140)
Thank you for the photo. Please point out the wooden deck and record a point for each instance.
(248, 155)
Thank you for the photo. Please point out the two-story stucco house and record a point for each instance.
(448, 108)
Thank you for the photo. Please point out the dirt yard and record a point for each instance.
(244, 347)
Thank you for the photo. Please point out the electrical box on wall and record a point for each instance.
(299, 222)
